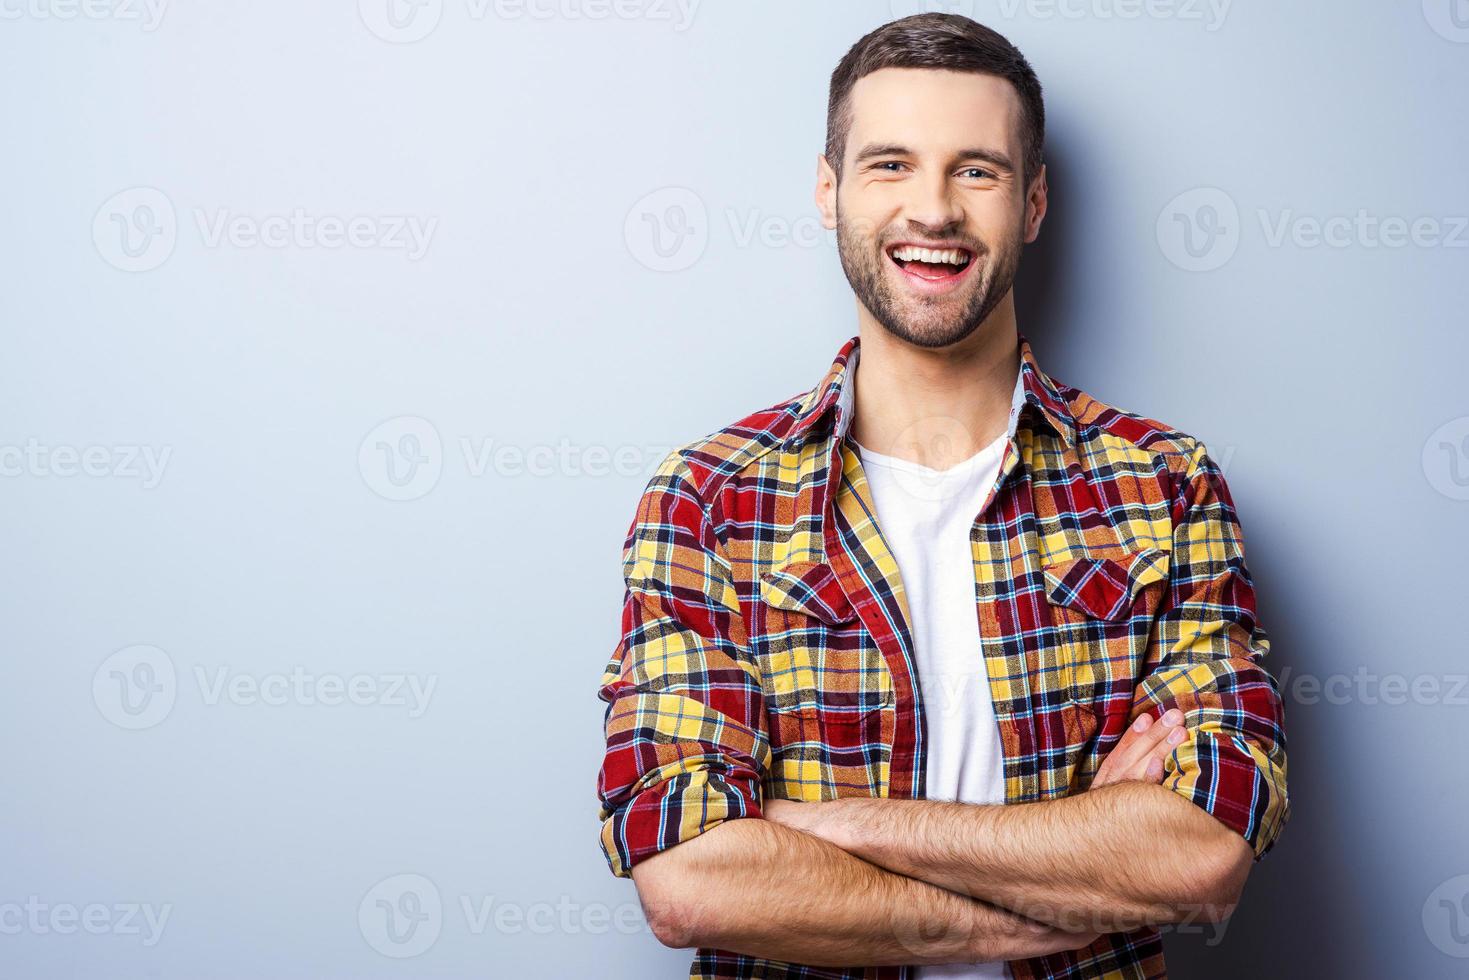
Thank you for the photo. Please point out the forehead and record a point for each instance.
(932, 110)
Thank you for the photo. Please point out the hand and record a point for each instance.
(1006, 936)
(1140, 753)
(1027, 938)
(793, 814)
(826, 819)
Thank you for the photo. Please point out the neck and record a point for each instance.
(935, 407)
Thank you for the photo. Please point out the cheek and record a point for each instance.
(997, 221)
(868, 209)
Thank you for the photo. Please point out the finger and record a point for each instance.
(1123, 750)
(1140, 742)
(1161, 750)
(1167, 735)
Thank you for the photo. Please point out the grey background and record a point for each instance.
(1329, 380)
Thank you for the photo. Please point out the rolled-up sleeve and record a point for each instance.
(686, 739)
(1207, 649)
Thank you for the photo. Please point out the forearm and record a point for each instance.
(1111, 859)
(755, 887)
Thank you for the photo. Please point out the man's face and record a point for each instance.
(930, 212)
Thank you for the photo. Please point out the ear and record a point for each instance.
(826, 192)
(1035, 206)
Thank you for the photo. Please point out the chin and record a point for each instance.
(933, 324)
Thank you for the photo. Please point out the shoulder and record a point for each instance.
(1112, 433)
(705, 464)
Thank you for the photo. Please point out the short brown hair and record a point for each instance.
(942, 41)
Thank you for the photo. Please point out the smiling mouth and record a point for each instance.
(931, 264)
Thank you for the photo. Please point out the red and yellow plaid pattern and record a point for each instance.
(765, 649)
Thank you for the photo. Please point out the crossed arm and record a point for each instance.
(1112, 859)
(766, 889)
(686, 751)
(874, 881)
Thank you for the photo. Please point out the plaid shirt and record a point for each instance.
(766, 652)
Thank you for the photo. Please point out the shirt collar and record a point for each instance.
(1039, 402)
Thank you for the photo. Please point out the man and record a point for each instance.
(942, 668)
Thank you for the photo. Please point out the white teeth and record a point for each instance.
(911, 253)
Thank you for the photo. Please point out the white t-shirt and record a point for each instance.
(925, 516)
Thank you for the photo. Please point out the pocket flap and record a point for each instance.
(809, 587)
(1104, 587)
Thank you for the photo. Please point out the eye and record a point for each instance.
(975, 173)
(889, 166)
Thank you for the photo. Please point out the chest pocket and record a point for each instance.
(829, 698)
(1102, 607)
(1104, 587)
(807, 587)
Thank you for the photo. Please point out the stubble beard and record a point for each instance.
(929, 322)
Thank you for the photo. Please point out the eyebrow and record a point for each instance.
(995, 158)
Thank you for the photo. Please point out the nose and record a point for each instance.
(934, 204)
